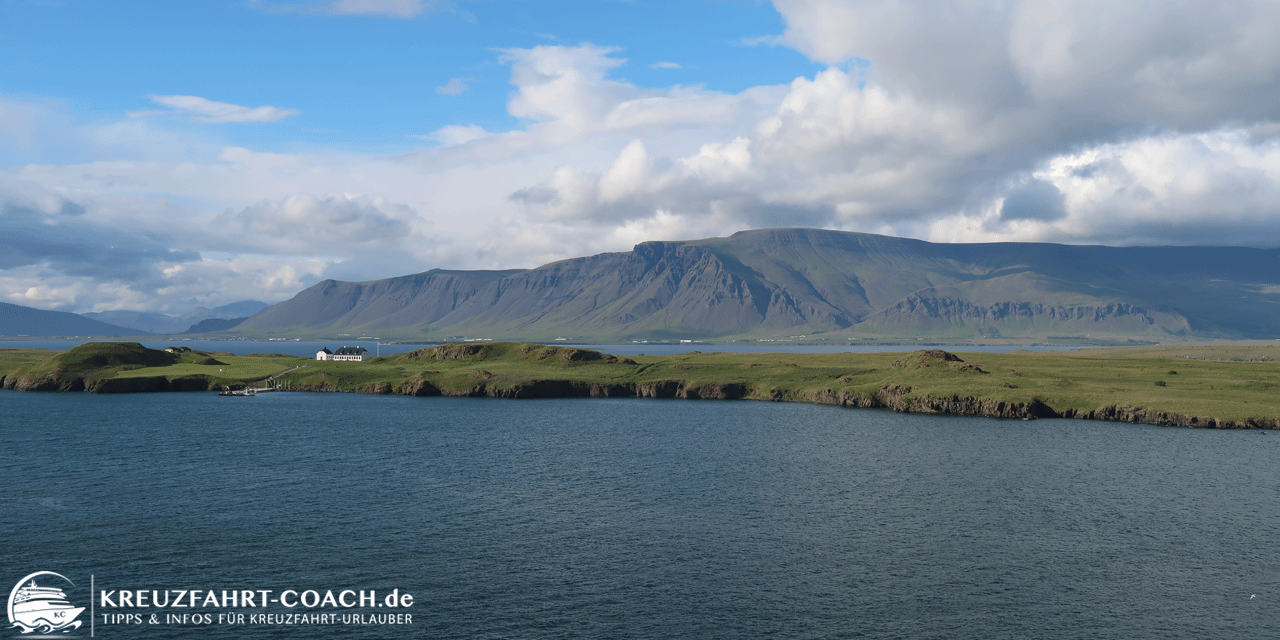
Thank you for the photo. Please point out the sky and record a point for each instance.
(163, 155)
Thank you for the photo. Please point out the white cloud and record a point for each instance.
(454, 87)
(665, 65)
(716, 162)
(1214, 188)
(756, 41)
(457, 134)
(326, 225)
(1099, 63)
(1219, 187)
(628, 175)
(207, 111)
(390, 8)
(568, 85)
(18, 122)
(404, 9)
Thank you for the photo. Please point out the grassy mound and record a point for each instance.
(506, 351)
(449, 352)
(926, 358)
(99, 355)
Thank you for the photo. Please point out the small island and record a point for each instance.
(1211, 386)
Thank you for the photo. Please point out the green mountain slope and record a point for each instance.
(790, 281)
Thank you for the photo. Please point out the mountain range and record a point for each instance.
(152, 322)
(17, 320)
(783, 282)
(772, 283)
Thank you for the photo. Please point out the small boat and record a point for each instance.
(43, 609)
(238, 392)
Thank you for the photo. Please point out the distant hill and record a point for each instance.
(781, 282)
(211, 325)
(241, 309)
(153, 322)
(17, 320)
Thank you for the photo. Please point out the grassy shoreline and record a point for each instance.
(1223, 386)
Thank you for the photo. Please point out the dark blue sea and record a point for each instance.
(624, 518)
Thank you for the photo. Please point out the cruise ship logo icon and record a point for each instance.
(44, 609)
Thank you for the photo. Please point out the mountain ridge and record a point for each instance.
(803, 281)
(19, 321)
(154, 322)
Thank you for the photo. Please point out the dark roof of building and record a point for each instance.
(326, 350)
(351, 351)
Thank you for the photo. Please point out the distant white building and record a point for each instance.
(348, 354)
(354, 354)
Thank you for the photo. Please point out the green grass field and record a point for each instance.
(1231, 382)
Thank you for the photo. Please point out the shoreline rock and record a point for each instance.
(896, 398)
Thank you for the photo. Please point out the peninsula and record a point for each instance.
(1212, 386)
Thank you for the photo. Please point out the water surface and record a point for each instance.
(627, 518)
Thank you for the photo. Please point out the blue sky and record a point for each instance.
(363, 82)
(161, 155)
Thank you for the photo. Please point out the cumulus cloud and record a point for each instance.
(1034, 200)
(55, 242)
(938, 120)
(207, 111)
(325, 225)
(1218, 187)
(565, 84)
(1111, 64)
(130, 252)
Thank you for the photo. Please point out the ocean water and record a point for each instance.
(626, 518)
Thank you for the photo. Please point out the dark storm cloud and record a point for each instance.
(1034, 200)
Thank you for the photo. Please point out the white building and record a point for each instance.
(349, 354)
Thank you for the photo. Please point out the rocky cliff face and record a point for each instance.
(72, 382)
(892, 398)
(1139, 415)
(925, 314)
